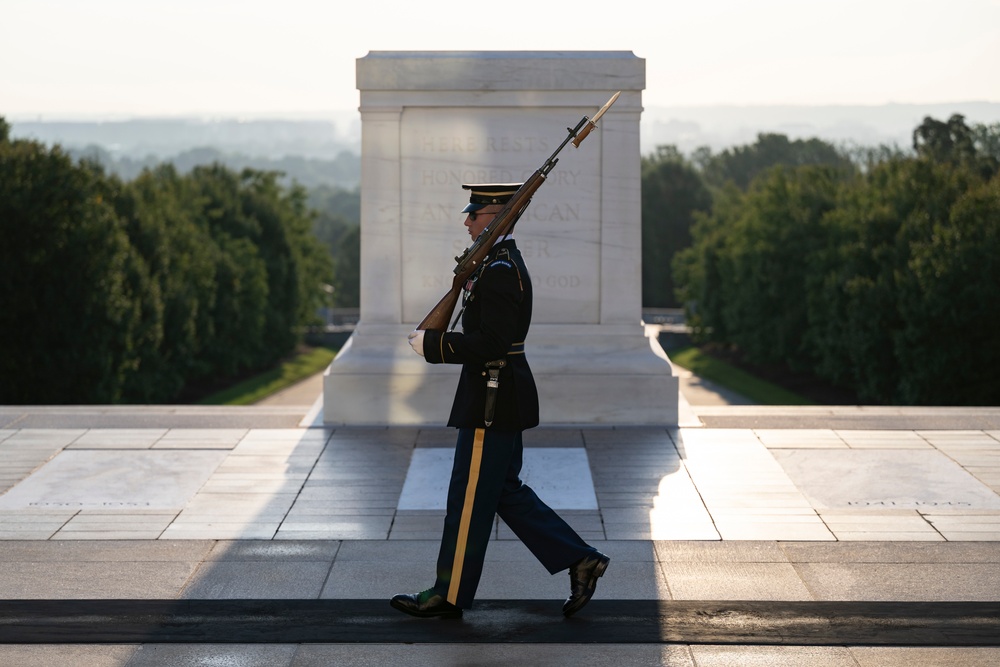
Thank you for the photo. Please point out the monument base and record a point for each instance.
(586, 374)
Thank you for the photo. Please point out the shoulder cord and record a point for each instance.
(506, 254)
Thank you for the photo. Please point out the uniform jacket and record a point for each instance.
(496, 317)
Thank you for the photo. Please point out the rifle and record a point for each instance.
(469, 261)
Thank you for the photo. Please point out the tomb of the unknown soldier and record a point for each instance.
(433, 121)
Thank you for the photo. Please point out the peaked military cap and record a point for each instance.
(484, 194)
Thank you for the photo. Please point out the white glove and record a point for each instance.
(416, 339)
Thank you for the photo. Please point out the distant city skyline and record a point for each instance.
(120, 58)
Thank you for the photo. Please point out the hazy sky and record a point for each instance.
(65, 58)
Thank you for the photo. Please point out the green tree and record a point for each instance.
(987, 140)
(891, 302)
(337, 226)
(956, 143)
(883, 281)
(342, 241)
(672, 194)
(757, 253)
(702, 271)
(742, 164)
(945, 141)
(127, 291)
(947, 345)
(69, 281)
(161, 215)
(336, 202)
(347, 270)
(272, 269)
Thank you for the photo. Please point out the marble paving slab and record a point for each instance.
(882, 479)
(121, 479)
(559, 475)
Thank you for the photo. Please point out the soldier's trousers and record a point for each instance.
(485, 482)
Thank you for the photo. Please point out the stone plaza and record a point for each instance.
(749, 510)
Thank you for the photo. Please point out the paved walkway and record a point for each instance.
(740, 505)
(304, 393)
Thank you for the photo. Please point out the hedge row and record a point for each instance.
(885, 281)
(127, 292)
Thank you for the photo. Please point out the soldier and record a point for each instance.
(496, 400)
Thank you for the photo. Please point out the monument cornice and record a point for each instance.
(477, 71)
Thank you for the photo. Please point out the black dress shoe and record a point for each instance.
(427, 604)
(583, 576)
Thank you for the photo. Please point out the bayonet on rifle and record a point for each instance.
(592, 123)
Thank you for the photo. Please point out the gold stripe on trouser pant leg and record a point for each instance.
(463, 526)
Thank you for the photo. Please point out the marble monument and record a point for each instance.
(432, 121)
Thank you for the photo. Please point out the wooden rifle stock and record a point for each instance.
(437, 319)
(470, 260)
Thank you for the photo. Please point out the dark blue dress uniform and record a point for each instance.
(485, 479)
(494, 326)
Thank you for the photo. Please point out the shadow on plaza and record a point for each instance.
(342, 535)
